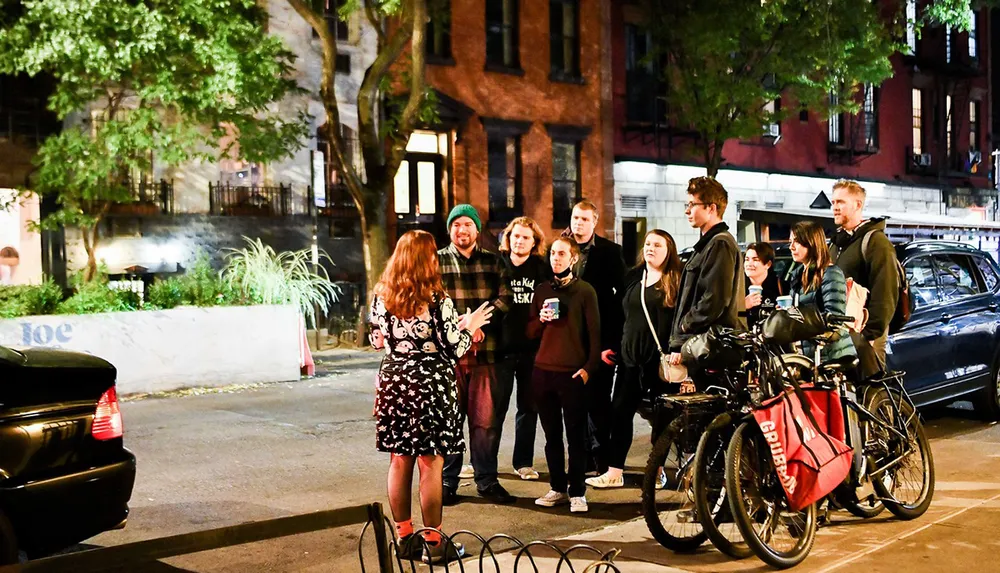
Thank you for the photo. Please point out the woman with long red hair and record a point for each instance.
(416, 406)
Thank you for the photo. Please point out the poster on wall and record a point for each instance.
(20, 248)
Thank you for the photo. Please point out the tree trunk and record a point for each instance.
(90, 238)
(713, 157)
(375, 239)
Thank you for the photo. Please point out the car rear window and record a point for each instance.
(990, 278)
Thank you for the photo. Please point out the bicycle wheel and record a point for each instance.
(870, 506)
(669, 512)
(902, 469)
(778, 535)
(710, 499)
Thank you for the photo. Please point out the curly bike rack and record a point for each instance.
(487, 553)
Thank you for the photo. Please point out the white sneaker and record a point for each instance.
(553, 498)
(661, 479)
(527, 473)
(467, 472)
(578, 504)
(605, 481)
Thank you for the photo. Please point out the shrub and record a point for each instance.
(96, 296)
(202, 285)
(262, 276)
(28, 300)
(166, 293)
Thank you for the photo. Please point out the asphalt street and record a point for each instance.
(212, 459)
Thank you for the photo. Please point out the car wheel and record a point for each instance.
(8, 542)
(987, 403)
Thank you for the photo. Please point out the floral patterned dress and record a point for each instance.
(416, 405)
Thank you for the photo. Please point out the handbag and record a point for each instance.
(804, 430)
(666, 370)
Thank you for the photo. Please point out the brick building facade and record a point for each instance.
(920, 144)
(523, 88)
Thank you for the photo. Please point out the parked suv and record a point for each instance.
(950, 348)
(65, 474)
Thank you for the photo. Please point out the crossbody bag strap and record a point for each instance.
(649, 321)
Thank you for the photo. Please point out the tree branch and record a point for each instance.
(417, 83)
(374, 21)
(328, 91)
(372, 148)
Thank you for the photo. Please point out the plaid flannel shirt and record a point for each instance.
(471, 282)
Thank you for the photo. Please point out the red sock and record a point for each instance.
(404, 528)
(432, 537)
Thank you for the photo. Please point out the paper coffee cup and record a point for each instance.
(783, 302)
(553, 305)
(755, 289)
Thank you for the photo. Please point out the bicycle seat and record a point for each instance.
(845, 365)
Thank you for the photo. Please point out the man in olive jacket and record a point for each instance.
(875, 268)
(711, 290)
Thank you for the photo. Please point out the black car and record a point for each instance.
(950, 348)
(65, 474)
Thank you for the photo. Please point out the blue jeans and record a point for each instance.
(479, 390)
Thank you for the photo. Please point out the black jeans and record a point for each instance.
(559, 396)
(632, 383)
(518, 368)
(479, 389)
(598, 403)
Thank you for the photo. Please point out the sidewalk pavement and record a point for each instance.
(959, 532)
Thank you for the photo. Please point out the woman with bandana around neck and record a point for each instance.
(565, 316)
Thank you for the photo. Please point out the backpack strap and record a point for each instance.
(864, 244)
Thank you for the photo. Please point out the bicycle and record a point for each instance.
(885, 433)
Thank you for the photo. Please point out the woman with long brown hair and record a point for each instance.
(416, 406)
(817, 282)
(649, 301)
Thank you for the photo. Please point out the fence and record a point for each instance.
(226, 199)
(132, 556)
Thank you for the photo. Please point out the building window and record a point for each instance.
(564, 38)
(911, 26)
(973, 40)
(438, 42)
(504, 155)
(836, 132)
(642, 92)
(331, 13)
(566, 189)
(343, 63)
(869, 113)
(947, 44)
(918, 122)
(501, 33)
(949, 123)
(973, 126)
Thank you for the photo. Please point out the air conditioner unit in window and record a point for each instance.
(772, 130)
(922, 159)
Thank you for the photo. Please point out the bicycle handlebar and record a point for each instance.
(831, 318)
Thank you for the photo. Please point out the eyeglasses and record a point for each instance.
(688, 206)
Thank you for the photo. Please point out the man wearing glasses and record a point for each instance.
(711, 290)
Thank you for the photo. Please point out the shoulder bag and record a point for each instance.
(665, 370)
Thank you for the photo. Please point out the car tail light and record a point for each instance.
(108, 417)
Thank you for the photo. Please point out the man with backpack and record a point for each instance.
(862, 250)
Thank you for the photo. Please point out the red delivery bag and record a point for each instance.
(804, 429)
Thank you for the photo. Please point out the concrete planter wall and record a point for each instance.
(165, 350)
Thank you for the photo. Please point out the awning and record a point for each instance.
(896, 224)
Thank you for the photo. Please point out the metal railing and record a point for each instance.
(148, 197)
(250, 200)
(138, 555)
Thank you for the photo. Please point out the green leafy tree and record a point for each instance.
(395, 77)
(723, 61)
(170, 79)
